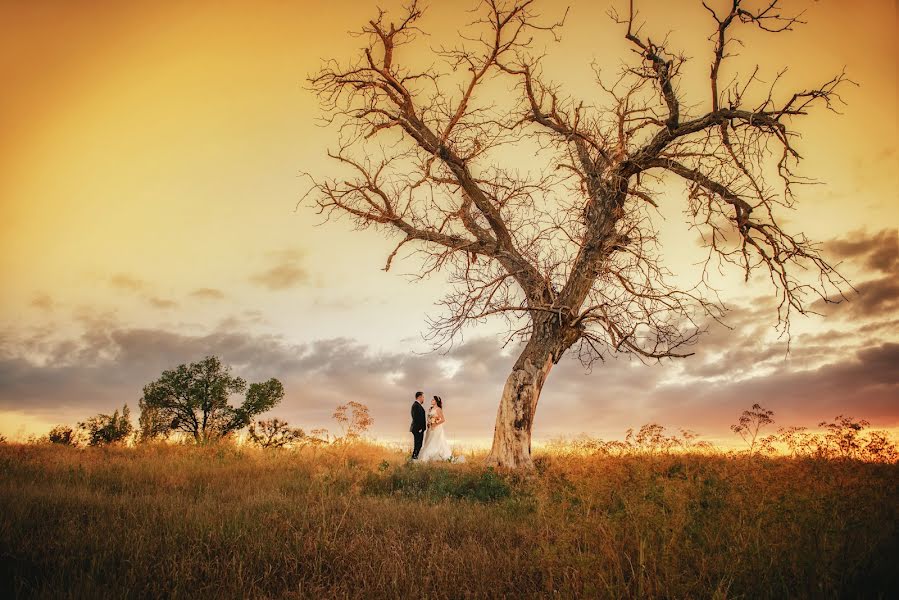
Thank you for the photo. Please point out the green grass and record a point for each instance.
(358, 522)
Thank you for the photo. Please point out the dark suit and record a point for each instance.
(419, 424)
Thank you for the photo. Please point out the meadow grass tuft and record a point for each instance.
(357, 521)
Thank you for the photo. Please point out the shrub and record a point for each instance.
(353, 418)
(64, 435)
(842, 437)
(274, 433)
(879, 447)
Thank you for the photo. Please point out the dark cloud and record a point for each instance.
(878, 251)
(108, 365)
(208, 294)
(864, 384)
(875, 297)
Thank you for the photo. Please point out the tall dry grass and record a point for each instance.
(356, 521)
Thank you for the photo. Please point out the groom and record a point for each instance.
(419, 423)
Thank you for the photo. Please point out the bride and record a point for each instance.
(435, 446)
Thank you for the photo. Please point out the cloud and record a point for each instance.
(876, 296)
(864, 384)
(43, 301)
(281, 277)
(880, 250)
(123, 281)
(285, 274)
(208, 294)
(164, 303)
(108, 365)
(128, 283)
(849, 368)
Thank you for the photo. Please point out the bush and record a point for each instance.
(64, 435)
(274, 433)
(353, 419)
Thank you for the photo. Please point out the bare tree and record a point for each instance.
(567, 253)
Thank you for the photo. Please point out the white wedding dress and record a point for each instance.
(435, 447)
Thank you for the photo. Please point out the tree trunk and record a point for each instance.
(515, 417)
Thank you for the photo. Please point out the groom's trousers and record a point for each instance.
(418, 436)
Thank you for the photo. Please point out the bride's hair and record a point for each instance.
(439, 401)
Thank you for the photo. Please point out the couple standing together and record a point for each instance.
(427, 430)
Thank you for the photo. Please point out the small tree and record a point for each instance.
(193, 399)
(353, 419)
(63, 435)
(274, 433)
(2, 439)
(108, 429)
(751, 423)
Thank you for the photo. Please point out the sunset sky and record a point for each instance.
(150, 172)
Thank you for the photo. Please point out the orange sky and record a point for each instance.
(149, 172)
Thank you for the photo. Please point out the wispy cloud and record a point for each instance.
(123, 281)
(143, 289)
(163, 303)
(208, 294)
(286, 273)
(43, 301)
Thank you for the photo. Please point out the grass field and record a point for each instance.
(356, 521)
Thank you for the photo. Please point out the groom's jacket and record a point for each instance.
(419, 420)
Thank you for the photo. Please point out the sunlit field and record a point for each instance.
(355, 520)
